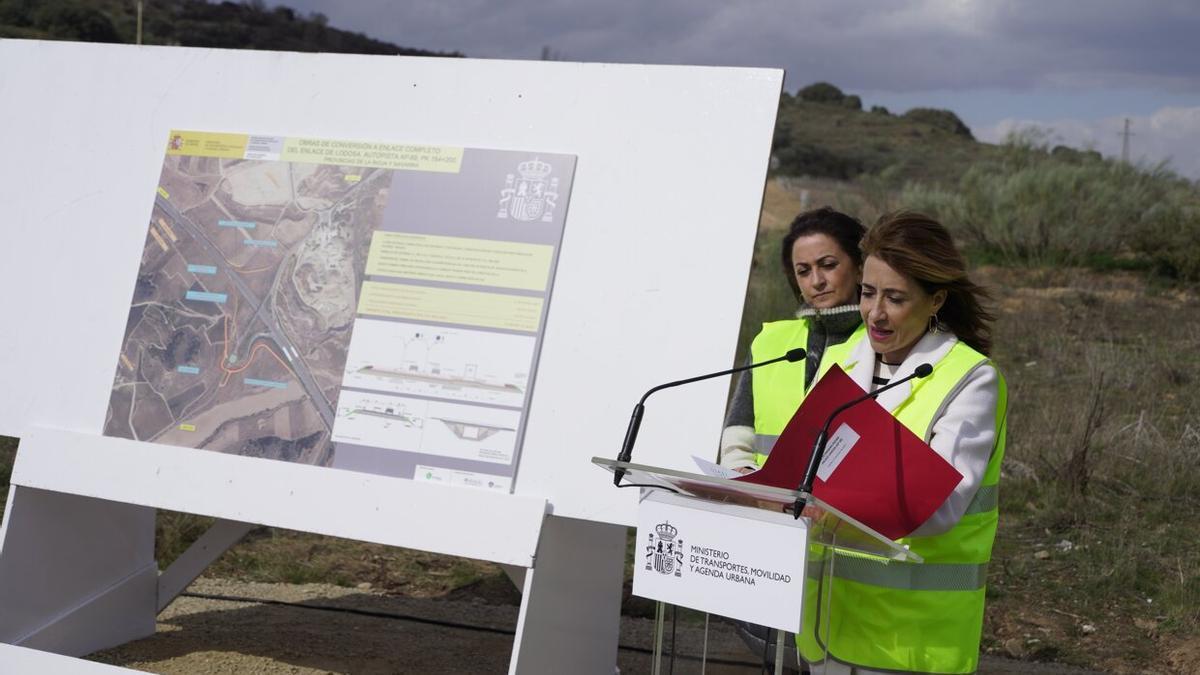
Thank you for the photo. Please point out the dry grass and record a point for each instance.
(1097, 559)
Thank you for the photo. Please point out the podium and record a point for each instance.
(735, 549)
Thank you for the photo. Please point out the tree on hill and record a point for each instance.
(69, 20)
(940, 119)
(821, 92)
(192, 23)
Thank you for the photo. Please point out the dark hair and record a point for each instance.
(922, 248)
(843, 229)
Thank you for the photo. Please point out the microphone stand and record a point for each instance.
(635, 421)
(814, 460)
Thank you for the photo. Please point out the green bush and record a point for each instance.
(1068, 154)
(806, 159)
(1035, 207)
(821, 92)
(75, 21)
(1169, 239)
(940, 119)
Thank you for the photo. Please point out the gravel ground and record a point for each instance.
(356, 630)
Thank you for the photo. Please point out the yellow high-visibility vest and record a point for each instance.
(888, 615)
(780, 388)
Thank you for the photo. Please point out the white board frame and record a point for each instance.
(650, 285)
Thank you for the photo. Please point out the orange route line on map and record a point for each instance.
(249, 359)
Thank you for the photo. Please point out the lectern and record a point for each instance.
(732, 548)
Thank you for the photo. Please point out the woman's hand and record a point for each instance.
(744, 470)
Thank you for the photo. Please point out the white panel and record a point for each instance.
(380, 509)
(663, 213)
(74, 570)
(22, 660)
(571, 601)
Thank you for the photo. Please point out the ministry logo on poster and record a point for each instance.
(665, 551)
(531, 194)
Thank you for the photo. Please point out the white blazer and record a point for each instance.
(963, 435)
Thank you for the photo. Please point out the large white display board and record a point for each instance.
(650, 274)
(652, 268)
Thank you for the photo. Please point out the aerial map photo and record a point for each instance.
(251, 282)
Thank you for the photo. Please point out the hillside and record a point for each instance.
(189, 23)
(824, 132)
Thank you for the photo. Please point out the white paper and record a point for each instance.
(839, 446)
(715, 470)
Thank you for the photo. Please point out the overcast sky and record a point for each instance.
(1075, 67)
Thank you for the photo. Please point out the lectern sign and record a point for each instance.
(728, 560)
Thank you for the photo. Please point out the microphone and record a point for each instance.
(814, 461)
(635, 422)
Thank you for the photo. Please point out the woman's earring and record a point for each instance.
(934, 326)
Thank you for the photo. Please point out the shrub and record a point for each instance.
(1034, 209)
(940, 119)
(805, 159)
(75, 21)
(1068, 154)
(821, 92)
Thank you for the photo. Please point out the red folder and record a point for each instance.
(889, 479)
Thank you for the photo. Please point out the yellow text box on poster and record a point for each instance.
(378, 155)
(207, 144)
(460, 260)
(444, 305)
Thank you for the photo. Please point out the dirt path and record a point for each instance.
(352, 630)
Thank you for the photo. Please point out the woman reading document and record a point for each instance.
(918, 306)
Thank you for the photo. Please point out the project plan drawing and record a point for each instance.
(371, 306)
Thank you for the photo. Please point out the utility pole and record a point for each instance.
(1125, 142)
(139, 26)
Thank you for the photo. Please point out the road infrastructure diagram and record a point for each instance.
(376, 307)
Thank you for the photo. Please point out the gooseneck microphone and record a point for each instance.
(635, 422)
(814, 461)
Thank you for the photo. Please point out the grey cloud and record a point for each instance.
(858, 44)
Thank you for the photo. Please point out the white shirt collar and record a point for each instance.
(931, 348)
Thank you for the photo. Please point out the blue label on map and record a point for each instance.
(218, 298)
(265, 383)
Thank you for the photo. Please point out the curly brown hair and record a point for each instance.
(845, 230)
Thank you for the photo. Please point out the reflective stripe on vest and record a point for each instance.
(986, 499)
(903, 575)
(763, 444)
(918, 617)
